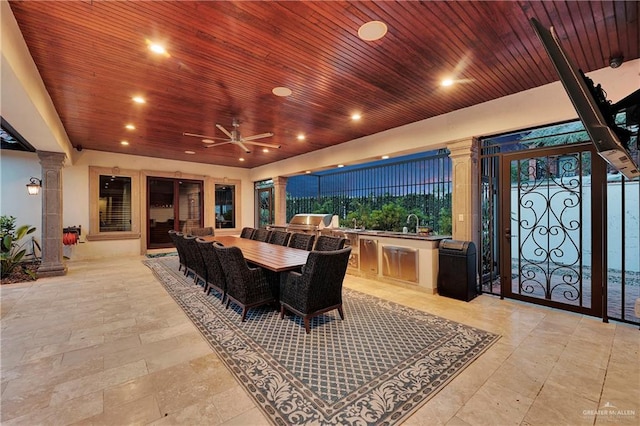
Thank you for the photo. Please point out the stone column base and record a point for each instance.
(53, 270)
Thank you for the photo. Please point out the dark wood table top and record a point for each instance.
(270, 256)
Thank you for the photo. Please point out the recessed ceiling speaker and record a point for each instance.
(79, 148)
(616, 61)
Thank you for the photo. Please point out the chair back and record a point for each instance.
(196, 263)
(246, 286)
(280, 238)
(202, 232)
(261, 234)
(302, 241)
(236, 270)
(247, 233)
(327, 243)
(322, 278)
(175, 238)
(215, 274)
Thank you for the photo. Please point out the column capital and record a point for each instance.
(462, 148)
(51, 160)
(280, 180)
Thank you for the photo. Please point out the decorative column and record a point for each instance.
(52, 258)
(280, 200)
(464, 211)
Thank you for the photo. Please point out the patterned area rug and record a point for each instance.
(376, 367)
(169, 253)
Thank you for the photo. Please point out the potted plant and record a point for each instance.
(12, 249)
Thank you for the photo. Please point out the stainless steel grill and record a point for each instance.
(310, 223)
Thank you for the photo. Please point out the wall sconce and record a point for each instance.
(34, 186)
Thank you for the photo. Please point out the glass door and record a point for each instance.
(168, 199)
(265, 207)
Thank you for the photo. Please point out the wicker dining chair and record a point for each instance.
(176, 238)
(280, 238)
(318, 289)
(246, 287)
(302, 241)
(247, 233)
(327, 243)
(195, 262)
(261, 234)
(215, 275)
(202, 232)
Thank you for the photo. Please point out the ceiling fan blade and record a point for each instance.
(213, 145)
(213, 139)
(260, 136)
(268, 145)
(223, 130)
(195, 135)
(243, 146)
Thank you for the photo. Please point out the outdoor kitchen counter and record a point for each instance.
(400, 235)
(406, 259)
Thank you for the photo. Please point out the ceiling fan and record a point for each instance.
(234, 137)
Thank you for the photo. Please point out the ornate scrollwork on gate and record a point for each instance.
(548, 218)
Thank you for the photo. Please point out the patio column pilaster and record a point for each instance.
(280, 200)
(52, 258)
(464, 205)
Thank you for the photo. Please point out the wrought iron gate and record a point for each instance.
(551, 219)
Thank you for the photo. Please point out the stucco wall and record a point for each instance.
(15, 170)
(17, 167)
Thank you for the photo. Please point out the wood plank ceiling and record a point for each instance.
(224, 58)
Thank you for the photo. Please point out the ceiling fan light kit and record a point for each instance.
(234, 137)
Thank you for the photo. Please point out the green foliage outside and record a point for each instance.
(13, 250)
(384, 212)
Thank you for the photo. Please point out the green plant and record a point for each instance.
(391, 217)
(7, 226)
(12, 249)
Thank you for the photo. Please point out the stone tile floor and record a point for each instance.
(105, 344)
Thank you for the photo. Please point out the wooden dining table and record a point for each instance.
(273, 257)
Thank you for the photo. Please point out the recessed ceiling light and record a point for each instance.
(301, 137)
(138, 99)
(356, 116)
(241, 159)
(447, 82)
(265, 149)
(124, 143)
(190, 152)
(130, 127)
(208, 141)
(384, 157)
(281, 91)
(157, 48)
(340, 165)
(308, 171)
(372, 31)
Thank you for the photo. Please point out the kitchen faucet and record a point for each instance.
(417, 220)
(355, 223)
